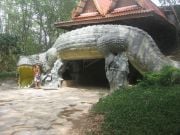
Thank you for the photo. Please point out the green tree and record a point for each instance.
(8, 52)
(32, 21)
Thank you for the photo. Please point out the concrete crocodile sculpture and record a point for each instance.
(101, 40)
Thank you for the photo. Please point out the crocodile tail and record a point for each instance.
(144, 54)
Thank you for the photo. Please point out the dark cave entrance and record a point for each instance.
(92, 73)
(134, 75)
(86, 73)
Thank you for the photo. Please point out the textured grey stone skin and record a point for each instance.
(117, 69)
(55, 78)
(140, 48)
(46, 59)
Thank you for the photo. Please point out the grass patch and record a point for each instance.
(146, 109)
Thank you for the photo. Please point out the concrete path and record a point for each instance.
(43, 112)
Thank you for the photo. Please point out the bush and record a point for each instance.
(139, 110)
(9, 51)
(8, 74)
(166, 77)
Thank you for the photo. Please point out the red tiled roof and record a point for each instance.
(79, 9)
(109, 10)
(107, 7)
(103, 6)
(125, 9)
(88, 14)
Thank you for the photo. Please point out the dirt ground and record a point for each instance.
(89, 124)
(64, 111)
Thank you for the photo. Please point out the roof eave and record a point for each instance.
(97, 20)
(75, 23)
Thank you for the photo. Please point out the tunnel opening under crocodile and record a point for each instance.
(89, 72)
(92, 73)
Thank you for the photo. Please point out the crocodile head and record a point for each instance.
(26, 63)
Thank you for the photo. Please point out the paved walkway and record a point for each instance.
(44, 112)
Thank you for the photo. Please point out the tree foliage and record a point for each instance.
(32, 21)
(8, 51)
(168, 76)
(167, 2)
